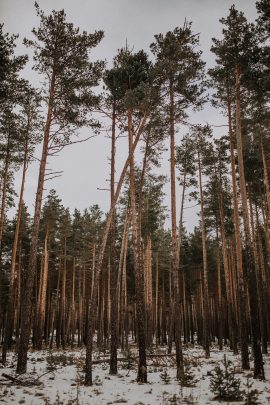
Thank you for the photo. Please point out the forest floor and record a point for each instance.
(56, 377)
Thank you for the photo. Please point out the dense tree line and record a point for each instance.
(69, 277)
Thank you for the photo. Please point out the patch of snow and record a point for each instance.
(64, 385)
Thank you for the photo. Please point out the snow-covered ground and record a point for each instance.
(62, 383)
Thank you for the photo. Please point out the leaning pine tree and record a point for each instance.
(61, 57)
(136, 79)
(139, 97)
(112, 79)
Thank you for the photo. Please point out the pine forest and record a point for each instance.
(158, 293)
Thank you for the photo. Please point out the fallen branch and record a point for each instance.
(26, 383)
(150, 356)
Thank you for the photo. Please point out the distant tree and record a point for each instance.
(10, 67)
(11, 94)
(49, 231)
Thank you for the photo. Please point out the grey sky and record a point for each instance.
(86, 166)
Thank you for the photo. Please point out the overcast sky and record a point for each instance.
(86, 166)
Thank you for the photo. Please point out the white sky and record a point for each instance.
(86, 166)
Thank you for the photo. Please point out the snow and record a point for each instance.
(64, 385)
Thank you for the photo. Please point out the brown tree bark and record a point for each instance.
(121, 280)
(4, 183)
(220, 332)
(261, 306)
(27, 290)
(138, 270)
(11, 293)
(41, 304)
(239, 260)
(252, 288)
(231, 313)
(63, 296)
(157, 318)
(175, 262)
(113, 268)
(206, 314)
(265, 176)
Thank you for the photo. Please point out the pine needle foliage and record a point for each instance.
(224, 384)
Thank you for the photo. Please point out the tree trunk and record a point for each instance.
(206, 314)
(231, 314)
(252, 288)
(157, 323)
(239, 260)
(41, 305)
(4, 192)
(265, 177)
(139, 280)
(27, 290)
(113, 268)
(220, 314)
(63, 297)
(11, 293)
(175, 262)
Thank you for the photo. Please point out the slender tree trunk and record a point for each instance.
(265, 177)
(180, 231)
(63, 297)
(157, 323)
(18, 294)
(138, 270)
(4, 192)
(175, 262)
(252, 288)
(182, 289)
(11, 294)
(149, 290)
(220, 314)
(27, 290)
(231, 314)
(113, 278)
(121, 278)
(56, 312)
(80, 299)
(125, 312)
(206, 314)
(73, 305)
(239, 260)
(264, 281)
(163, 314)
(41, 304)
(261, 306)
